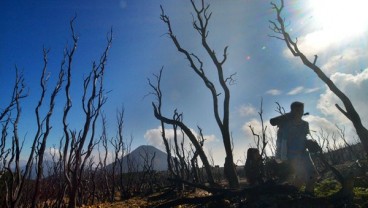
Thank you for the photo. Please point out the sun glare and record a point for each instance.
(341, 17)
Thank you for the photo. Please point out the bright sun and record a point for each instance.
(342, 17)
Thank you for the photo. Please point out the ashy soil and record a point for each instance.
(151, 200)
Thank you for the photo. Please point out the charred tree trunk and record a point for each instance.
(200, 23)
(349, 111)
(177, 121)
(253, 167)
(74, 154)
(192, 138)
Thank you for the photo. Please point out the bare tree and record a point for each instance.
(74, 154)
(127, 175)
(194, 160)
(253, 167)
(279, 28)
(41, 137)
(4, 152)
(147, 175)
(158, 94)
(178, 122)
(5, 115)
(200, 24)
(67, 173)
(119, 148)
(261, 140)
(103, 162)
(180, 163)
(16, 182)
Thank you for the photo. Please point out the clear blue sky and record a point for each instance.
(265, 69)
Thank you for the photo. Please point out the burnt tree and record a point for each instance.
(279, 28)
(157, 92)
(177, 121)
(201, 19)
(15, 182)
(75, 156)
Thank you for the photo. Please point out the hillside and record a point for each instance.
(141, 156)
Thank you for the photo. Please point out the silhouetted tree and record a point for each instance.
(157, 92)
(201, 19)
(279, 28)
(15, 184)
(42, 136)
(177, 121)
(75, 155)
(103, 162)
(119, 146)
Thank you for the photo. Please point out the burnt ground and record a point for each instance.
(328, 193)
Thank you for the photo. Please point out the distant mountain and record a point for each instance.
(142, 156)
(33, 171)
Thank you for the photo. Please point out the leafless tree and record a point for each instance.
(179, 164)
(176, 166)
(103, 162)
(279, 28)
(119, 149)
(158, 94)
(260, 138)
(42, 135)
(253, 167)
(3, 150)
(200, 24)
(94, 181)
(74, 154)
(194, 160)
(127, 173)
(66, 171)
(147, 175)
(350, 152)
(177, 121)
(14, 188)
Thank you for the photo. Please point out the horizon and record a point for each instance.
(265, 69)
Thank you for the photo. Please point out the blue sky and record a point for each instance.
(265, 68)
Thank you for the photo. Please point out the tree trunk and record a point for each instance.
(253, 166)
(349, 111)
(192, 138)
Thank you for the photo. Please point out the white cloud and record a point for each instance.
(315, 42)
(343, 61)
(296, 90)
(274, 92)
(50, 152)
(95, 155)
(311, 90)
(317, 123)
(154, 137)
(251, 139)
(320, 41)
(210, 138)
(256, 125)
(356, 88)
(334, 57)
(247, 110)
(336, 45)
(301, 89)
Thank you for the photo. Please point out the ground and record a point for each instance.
(326, 187)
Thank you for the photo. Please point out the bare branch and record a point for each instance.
(200, 24)
(350, 111)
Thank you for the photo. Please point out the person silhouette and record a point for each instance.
(291, 146)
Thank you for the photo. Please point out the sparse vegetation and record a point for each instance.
(76, 177)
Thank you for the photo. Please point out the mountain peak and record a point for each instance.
(148, 148)
(142, 155)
